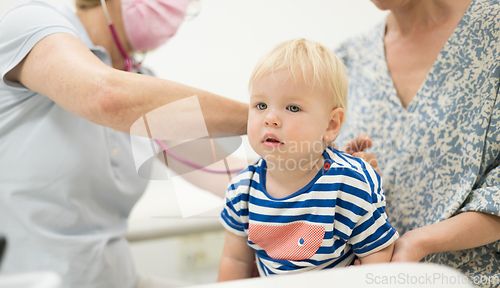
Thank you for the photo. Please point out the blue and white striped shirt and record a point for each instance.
(339, 214)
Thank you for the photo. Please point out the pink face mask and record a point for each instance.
(150, 23)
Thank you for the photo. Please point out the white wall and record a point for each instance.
(218, 50)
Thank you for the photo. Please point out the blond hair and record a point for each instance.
(306, 57)
(86, 4)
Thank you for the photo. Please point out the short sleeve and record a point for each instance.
(360, 217)
(236, 205)
(22, 28)
(485, 198)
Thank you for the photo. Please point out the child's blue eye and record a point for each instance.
(293, 108)
(262, 106)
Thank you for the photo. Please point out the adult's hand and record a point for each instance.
(356, 148)
(408, 249)
(359, 144)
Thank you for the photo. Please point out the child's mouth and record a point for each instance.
(271, 141)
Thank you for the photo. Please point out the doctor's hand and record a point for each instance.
(356, 148)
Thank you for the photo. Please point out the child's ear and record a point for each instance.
(335, 123)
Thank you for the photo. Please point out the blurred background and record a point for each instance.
(216, 51)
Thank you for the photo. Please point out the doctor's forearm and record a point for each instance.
(126, 97)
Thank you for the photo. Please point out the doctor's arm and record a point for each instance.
(62, 68)
(237, 258)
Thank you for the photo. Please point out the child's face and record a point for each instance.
(290, 119)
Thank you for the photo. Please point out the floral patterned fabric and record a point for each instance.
(439, 156)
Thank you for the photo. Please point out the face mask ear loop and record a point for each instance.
(136, 65)
(126, 59)
(194, 9)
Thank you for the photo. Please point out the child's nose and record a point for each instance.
(272, 120)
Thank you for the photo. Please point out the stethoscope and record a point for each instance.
(129, 65)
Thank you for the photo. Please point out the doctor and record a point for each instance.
(67, 177)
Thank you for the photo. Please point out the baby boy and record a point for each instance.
(303, 206)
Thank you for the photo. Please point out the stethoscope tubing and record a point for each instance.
(192, 164)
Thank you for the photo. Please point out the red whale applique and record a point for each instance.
(296, 241)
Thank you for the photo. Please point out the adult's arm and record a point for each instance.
(62, 68)
(477, 224)
(463, 231)
(467, 230)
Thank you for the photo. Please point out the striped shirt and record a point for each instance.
(339, 214)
